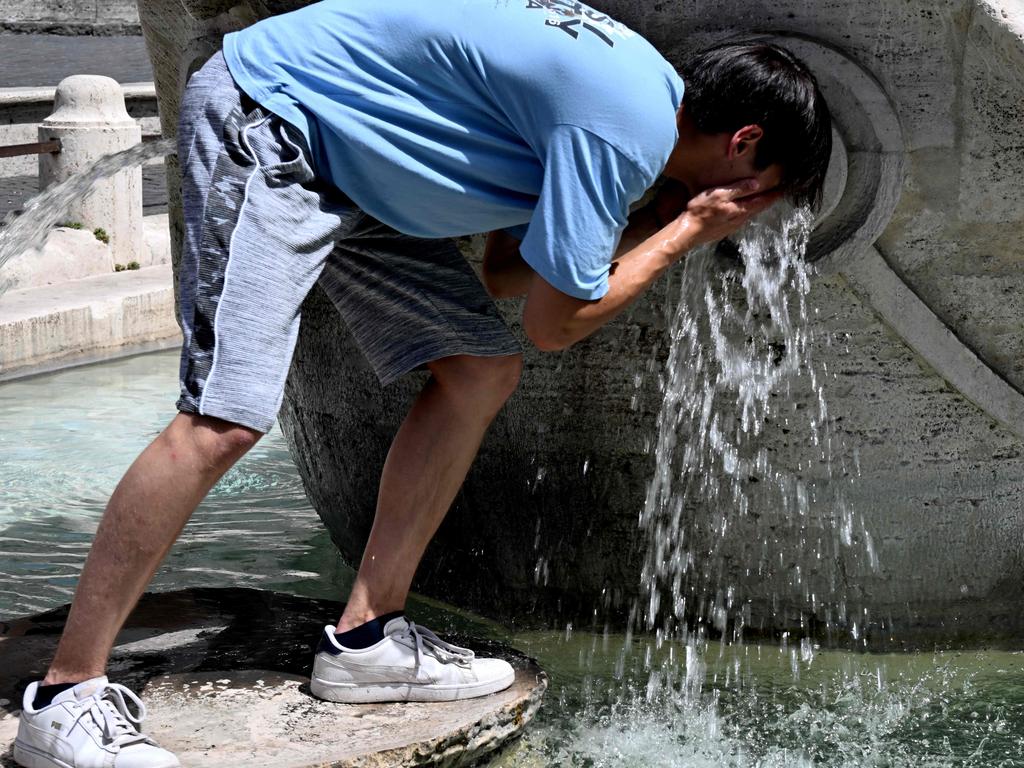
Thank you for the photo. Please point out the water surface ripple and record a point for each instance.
(65, 440)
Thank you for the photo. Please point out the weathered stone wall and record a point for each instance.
(70, 16)
(922, 329)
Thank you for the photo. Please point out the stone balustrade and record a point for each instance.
(23, 109)
(74, 300)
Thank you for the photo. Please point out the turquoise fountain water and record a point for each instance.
(65, 440)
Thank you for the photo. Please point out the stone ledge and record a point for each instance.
(88, 319)
(110, 29)
(23, 96)
(224, 674)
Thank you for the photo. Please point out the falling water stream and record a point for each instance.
(733, 538)
(718, 506)
(27, 232)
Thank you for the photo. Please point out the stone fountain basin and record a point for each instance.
(224, 675)
(917, 317)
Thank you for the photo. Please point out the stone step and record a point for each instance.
(224, 674)
(85, 320)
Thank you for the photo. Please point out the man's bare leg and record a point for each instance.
(144, 517)
(425, 467)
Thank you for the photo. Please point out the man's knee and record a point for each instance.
(491, 378)
(215, 443)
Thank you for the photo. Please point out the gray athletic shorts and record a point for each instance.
(261, 229)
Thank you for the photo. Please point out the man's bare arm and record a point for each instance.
(554, 320)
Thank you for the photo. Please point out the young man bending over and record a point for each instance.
(348, 142)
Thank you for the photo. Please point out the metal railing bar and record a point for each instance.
(50, 147)
(35, 148)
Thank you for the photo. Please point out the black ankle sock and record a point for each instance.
(366, 634)
(45, 693)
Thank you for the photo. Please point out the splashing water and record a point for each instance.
(29, 230)
(749, 533)
(848, 710)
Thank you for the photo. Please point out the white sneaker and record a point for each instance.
(87, 726)
(411, 663)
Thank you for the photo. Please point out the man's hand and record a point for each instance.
(716, 213)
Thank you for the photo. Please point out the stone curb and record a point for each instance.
(71, 28)
(85, 320)
(22, 96)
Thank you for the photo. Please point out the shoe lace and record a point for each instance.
(446, 653)
(109, 711)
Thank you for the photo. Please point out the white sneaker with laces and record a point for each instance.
(87, 726)
(411, 663)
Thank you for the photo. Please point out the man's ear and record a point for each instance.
(744, 142)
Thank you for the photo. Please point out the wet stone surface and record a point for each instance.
(224, 674)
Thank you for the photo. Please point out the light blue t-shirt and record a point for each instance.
(450, 117)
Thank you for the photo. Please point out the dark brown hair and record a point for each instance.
(752, 83)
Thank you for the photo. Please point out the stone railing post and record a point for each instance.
(90, 120)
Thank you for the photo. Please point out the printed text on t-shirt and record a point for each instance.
(571, 17)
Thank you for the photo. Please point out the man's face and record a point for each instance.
(706, 160)
(726, 172)
(732, 160)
